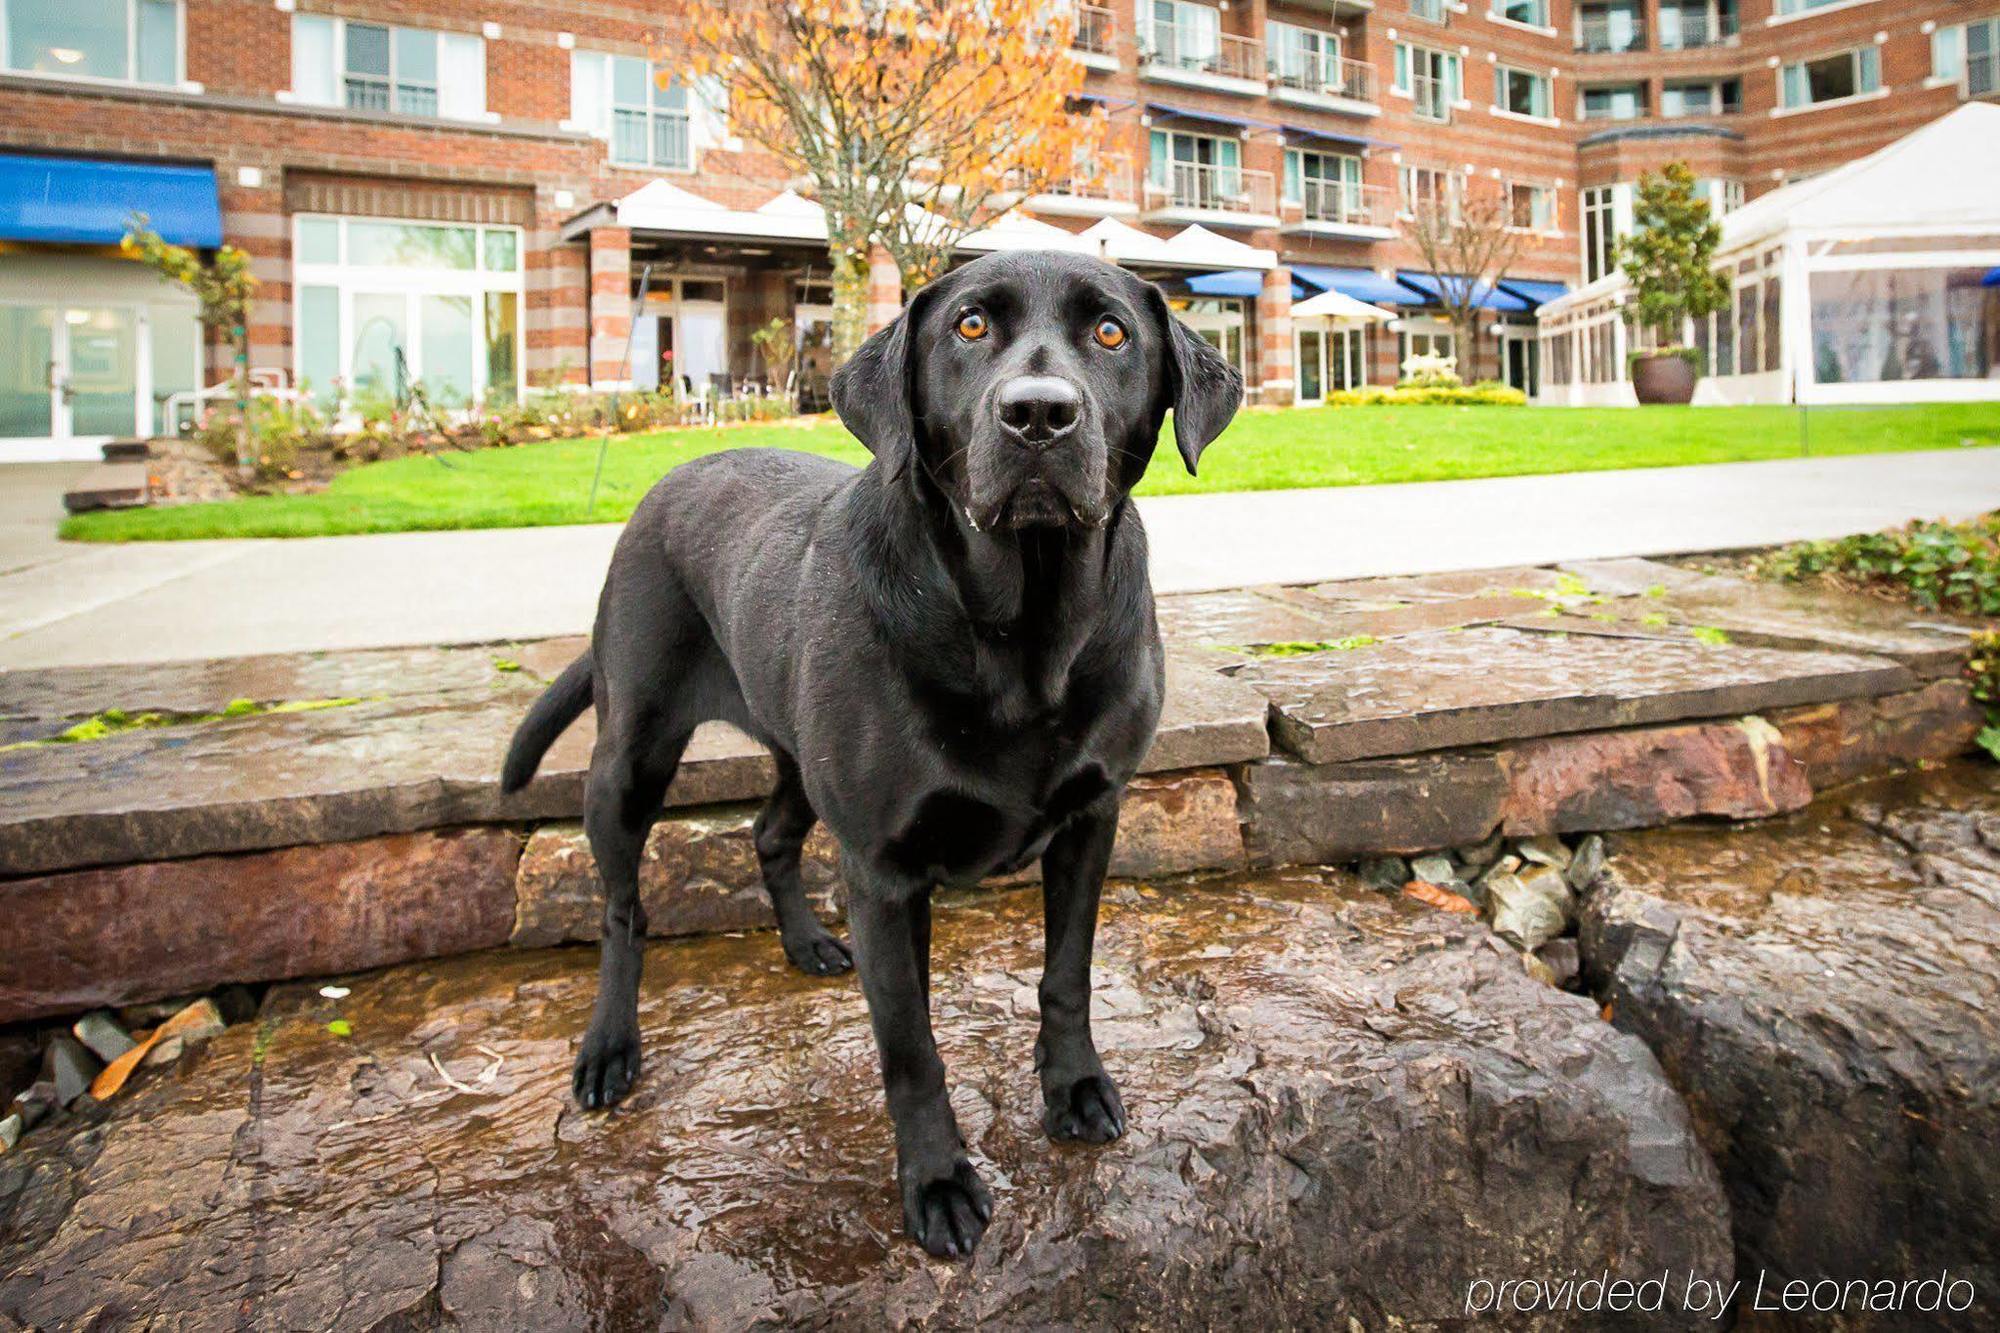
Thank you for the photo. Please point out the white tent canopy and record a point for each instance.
(663, 208)
(1338, 307)
(1877, 282)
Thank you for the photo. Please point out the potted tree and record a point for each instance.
(1670, 261)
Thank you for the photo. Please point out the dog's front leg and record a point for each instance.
(945, 1205)
(1079, 1100)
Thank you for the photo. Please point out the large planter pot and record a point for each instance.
(1663, 379)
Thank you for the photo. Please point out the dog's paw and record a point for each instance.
(945, 1212)
(606, 1067)
(819, 955)
(1087, 1110)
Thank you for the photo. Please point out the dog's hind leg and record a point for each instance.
(780, 832)
(629, 773)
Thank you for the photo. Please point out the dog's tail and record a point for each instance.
(561, 704)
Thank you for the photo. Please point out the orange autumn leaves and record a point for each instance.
(957, 107)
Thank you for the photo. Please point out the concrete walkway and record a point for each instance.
(76, 604)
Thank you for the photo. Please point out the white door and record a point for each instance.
(69, 378)
(701, 341)
(1309, 365)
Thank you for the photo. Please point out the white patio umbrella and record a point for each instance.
(1338, 307)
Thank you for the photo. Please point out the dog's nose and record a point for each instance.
(1039, 410)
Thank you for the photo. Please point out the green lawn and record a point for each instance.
(542, 484)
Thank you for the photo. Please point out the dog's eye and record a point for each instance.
(972, 326)
(1109, 333)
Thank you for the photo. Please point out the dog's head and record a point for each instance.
(1030, 388)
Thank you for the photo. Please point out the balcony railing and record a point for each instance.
(1432, 10)
(1200, 50)
(1344, 204)
(1214, 188)
(1693, 29)
(1430, 97)
(1597, 34)
(1111, 183)
(1336, 76)
(1095, 28)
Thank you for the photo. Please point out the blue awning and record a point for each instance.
(1992, 278)
(1338, 136)
(1533, 291)
(1487, 297)
(78, 201)
(1360, 283)
(1197, 113)
(1229, 282)
(1238, 282)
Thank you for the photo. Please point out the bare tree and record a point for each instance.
(1467, 239)
(908, 121)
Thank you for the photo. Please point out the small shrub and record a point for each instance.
(1941, 566)
(1485, 394)
(1421, 371)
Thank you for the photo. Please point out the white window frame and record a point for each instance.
(1951, 60)
(1639, 108)
(706, 112)
(1327, 46)
(1545, 195)
(412, 284)
(131, 79)
(1538, 79)
(1539, 25)
(1867, 57)
(300, 95)
(1446, 179)
(1598, 202)
(1446, 70)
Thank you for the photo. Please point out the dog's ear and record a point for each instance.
(872, 391)
(1204, 389)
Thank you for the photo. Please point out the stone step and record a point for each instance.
(109, 486)
(1311, 1145)
(127, 451)
(1825, 992)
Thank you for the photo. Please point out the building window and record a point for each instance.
(1969, 53)
(1427, 342)
(1708, 98)
(1430, 78)
(1803, 6)
(385, 304)
(1326, 185)
(1533, 13)
(1521, 91)
(1425, 189)
(1614, 27)
(1600, 242)
(124, 41)
(370, 67)
(1723, 196)
(1186, 35)
(1304, 57)
(1686, 26)
(1196, 170)
(1530, 207)
(1831, 78)
(1432, 11)
(648, 115)
(1625, 101)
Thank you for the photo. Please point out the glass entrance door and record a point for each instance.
(69, 372)
(1309, 364)
(28, 393)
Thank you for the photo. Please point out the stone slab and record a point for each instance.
(1306, 814)
(1643, 778)
(419, 748)
(1476, 686)
(700, 872)
(109, 486)
(114, 936)
(1774, 615)
(1825, 991)
(1293, 1053)
(1858, 738)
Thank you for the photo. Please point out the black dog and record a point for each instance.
(951, 654)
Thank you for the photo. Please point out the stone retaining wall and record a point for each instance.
(119, 934)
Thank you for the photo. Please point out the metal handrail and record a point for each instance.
(1203, 50)
(1314, 72)
(1216, 188)
(1345, 203)
(1095, 28)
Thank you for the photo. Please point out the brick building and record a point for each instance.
(470, 193)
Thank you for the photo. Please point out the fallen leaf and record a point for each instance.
(200, 1014)
(340, 1027)
(1426, 892)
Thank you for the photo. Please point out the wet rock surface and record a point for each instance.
(1344, 1104)
(1825, 991)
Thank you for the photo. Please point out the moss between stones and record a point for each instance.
(1299, 648)
(116, 721)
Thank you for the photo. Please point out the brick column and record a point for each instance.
(610, 305)
(1274, 340)
(885, 289)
